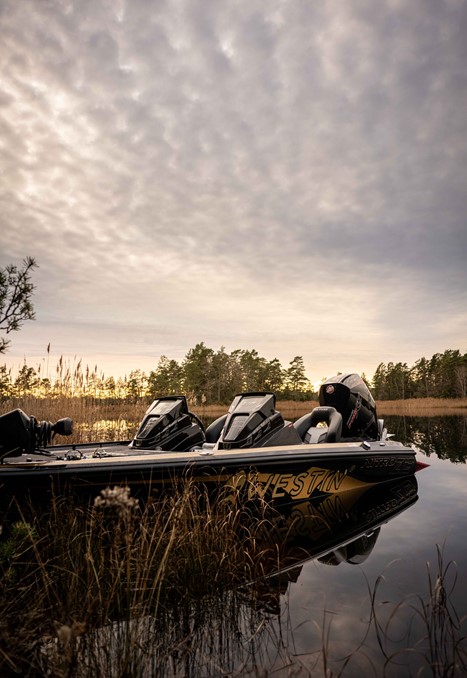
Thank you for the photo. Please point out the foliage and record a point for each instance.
(444, 375)
(166, 379)
(13, 548)
(6, 386)
(205, 376)
(210, 377)
(296, 377)
(16, 290)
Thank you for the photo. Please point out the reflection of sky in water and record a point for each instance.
(403, 548)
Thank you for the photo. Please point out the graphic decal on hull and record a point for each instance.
(295, 486)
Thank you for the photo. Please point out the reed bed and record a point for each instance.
(102, 420)
(85, 409)
(423, 407)
(434, 642)
(94, 419)
(79, 580)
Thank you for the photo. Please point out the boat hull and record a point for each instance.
(282, 474)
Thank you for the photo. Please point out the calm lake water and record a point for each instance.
(324, 610)
(370, 606)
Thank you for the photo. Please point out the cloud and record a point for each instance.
(167, 156)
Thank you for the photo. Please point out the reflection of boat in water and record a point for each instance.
(337, 447)
(338, 528)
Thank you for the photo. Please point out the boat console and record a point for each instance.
(252, 421)
(169, 425)
(347, 412)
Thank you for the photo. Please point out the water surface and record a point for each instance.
(326, 611)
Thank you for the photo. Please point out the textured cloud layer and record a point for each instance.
(285, 175)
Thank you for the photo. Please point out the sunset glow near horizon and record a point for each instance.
(288, 177)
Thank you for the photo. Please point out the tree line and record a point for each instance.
(444, 375)
(205, 376)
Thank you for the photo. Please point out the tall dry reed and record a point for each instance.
(68, 576)
(423, 407)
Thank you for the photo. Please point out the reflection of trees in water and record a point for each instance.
(445, 436)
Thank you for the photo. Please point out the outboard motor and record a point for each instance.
(350, 396)
(253, 421)
(21, 434)
(169, 425)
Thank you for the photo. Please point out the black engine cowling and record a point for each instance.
(169, 425)
(350, 396)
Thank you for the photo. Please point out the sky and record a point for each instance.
(288, 176)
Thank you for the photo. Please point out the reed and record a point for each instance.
(423, 407)
(180, 587)
(68, 576)
(82, 409)
(423, 631)
(107, 417)
(98, 419)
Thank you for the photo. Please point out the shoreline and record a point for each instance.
(425, 407)
(96, 410)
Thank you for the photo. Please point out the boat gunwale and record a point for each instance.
(156, 458)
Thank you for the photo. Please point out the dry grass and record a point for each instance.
(96, 419)
(423, 407)
(102, 590)
(91, 410)
(434, 641)
(79, 409)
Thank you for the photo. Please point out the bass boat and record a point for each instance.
(251, 450)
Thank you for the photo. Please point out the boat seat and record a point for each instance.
(213, 431)
(326, 414)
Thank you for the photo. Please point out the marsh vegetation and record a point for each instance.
(188, 588)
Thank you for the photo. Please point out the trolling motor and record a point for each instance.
(23, 434)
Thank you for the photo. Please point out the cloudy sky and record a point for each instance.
(284, 175)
